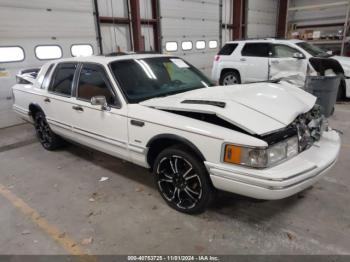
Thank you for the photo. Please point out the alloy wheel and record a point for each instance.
(43, 131)
(178, 182)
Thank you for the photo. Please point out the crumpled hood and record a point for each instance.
(344, 62)
(257, 108)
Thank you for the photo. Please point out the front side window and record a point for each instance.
(142, 79)
(313, 50)
(11, 54)
(46, 52)
(256, 49)
(283, 51)
(93, 81)
(62, 82)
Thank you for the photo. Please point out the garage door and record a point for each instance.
(190, 29)
(33, 32)
(262, 18)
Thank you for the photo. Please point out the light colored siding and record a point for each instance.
(261, 18)
(43, 22)
(191, 20)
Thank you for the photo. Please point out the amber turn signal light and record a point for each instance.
(232, 154)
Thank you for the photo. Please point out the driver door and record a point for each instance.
(103, 129)
(282, 63)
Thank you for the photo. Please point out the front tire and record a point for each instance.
(182, 180)
(48, 139)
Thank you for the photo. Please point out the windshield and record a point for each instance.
(142, 79)
(313, 50)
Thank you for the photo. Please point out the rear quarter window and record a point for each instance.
(228, 49)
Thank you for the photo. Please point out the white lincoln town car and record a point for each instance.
(262, 140)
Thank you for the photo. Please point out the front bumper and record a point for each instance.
(283, 180)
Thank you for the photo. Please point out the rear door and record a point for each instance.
(59, 101)
(283, 64)
(105, 130)
(255, 62)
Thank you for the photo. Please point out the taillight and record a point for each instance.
(217, 58)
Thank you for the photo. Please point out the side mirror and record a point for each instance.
(298, 55)
(100, 101)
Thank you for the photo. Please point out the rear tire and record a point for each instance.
(230, 78)
(48, 139)
(182, 180)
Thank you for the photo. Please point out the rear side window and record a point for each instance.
(63, 79)
(228, 49)
(94, 82)
(256, 49)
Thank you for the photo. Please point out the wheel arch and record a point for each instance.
(159, 142)
(34, 108)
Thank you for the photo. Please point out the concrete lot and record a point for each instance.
(53, 203)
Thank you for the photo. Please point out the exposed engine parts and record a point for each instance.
(310, 127)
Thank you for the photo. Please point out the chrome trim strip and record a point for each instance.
(137, 148)
(58, 123)
(115, 142)
(20, 109)
(98, 136)
(210, 166)
(278, 187)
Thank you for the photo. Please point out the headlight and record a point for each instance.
(261, 157)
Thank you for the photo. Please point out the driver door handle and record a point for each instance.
(78, 108)
(275, 62)
(243, 59)
(47, 100)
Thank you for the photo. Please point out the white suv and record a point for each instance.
(259, 60)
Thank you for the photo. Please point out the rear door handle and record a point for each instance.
(78, 108)
(274, 62)
(47, 100)
(243, 59)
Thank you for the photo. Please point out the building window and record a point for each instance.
(81, 50)
(171, 46)
(45, 52)
(11, 54)
(200, 44)
(187, 45)
(213, 44)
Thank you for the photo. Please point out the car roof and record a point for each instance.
(106, 59)
(266, 40)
